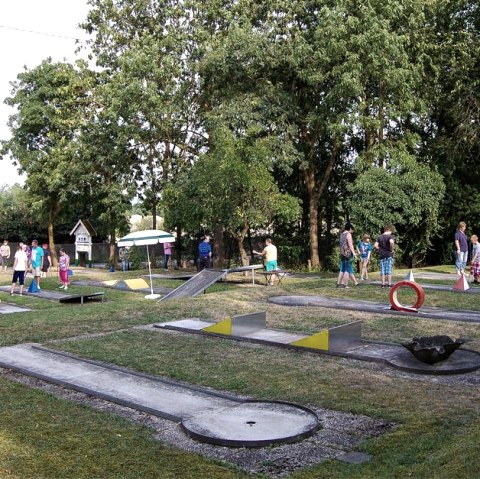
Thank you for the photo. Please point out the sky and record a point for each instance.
(31, 31)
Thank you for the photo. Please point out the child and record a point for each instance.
(63, 267)
(20, 267)
(364, 248)
(475, 267)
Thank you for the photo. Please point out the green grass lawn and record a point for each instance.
(43, 436)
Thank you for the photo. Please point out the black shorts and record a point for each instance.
(19, 276)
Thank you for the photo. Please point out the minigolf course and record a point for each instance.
(196, 285)
(461, 315)
(135, 285)
(62, 297)
(7, 308)
(205, 415)
(344, 340)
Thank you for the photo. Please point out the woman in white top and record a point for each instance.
(20, 266)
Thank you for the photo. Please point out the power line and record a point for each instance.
(39, 33)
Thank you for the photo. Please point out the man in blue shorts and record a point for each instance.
(385, 245)
(347, 256)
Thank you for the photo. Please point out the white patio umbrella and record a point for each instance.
(146, 238)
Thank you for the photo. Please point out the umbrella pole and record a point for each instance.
(149, 270)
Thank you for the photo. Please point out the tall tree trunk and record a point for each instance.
(179, 247)
(381, 119)
(51, 237)
(112, 257)
(313, 215)
(314, 194)
(241, 249)
(249, 237)
(218, 246)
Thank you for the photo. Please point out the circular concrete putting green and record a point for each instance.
(253, 424)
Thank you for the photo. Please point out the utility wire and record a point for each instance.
(39, 33)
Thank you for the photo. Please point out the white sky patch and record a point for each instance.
(31, 31)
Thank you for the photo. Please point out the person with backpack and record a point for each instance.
(385, 245)
(204, 254)
(347, 257)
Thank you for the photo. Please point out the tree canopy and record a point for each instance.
(242, 116)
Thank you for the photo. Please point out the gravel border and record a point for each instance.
(340, 434)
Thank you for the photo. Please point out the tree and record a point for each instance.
(18, 221)
(148, 86)
(230, 186)
(49, 101)
(451, 137)
(318, 76)
(404, 193)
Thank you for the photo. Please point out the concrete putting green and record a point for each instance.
(466, 316)
(344, 340)
(205, 415)
(7, 308)
(134, 285)
(61, 296)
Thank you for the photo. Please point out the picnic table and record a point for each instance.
(241, 269)
(279, 273)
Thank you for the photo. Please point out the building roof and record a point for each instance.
(86, 224)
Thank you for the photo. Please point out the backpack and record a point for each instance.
(344, 248)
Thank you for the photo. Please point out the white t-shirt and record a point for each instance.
(22, 260)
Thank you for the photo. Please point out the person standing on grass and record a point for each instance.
(347, 257)
(167, 252)
(36, 261)
(47, 260)
(20, 266)
(364, 249)
(204, 254)
(461, 248)
(385, 245)
(5, 255)
(63, 267)
(270, 254)
(123, 254)
(475, 265)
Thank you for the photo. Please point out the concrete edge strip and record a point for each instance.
(150, 377)
(90, 392)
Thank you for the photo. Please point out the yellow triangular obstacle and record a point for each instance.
(316, 341)
(138, 283)
(223, 327)
(111, 282)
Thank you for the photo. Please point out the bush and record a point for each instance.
(137, 256)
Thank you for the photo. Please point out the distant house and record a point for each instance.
(84, 232)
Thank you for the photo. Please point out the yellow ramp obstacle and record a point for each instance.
(133, 284)
(223, 327)
(240, 325)
(111, 282)
(316, 341)
(339, 339)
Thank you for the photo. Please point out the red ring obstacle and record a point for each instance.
(395, 303)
